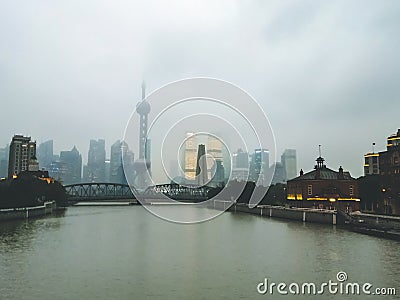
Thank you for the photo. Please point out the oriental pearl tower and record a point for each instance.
(142, 165)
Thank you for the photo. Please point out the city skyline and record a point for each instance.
(108, 154)
(331, 65)
(190, 149)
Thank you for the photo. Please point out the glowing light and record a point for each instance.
(371, 154)
(349, 199)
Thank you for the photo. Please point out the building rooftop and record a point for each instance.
(321, 172)
(325, 174)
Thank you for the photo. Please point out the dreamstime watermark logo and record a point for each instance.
(340, 286)
(168, 127)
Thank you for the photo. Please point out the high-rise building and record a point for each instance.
(45, 154)
(259, 168)
(116, 167)
(22, 149)
(85, 175)
(227, 163)
(201, 166)
(289, 163)
(96, 166)
(119, 152)
(107, 170)
(214, 151)
(241, 167)
(57, 170)
(190, 156)
(219, 173)
(240, 159)
(72, 161)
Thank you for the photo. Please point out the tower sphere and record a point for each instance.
(143, 108)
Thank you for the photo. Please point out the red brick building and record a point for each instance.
(324, 188)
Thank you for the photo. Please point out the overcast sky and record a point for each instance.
(325, 72)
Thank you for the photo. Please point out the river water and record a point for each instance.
(127, 253)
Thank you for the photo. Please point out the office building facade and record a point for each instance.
(259, 168)
(120, 155)
(190, 156)
(96, 166)
(22, 149)
(289, 163)
(45, 154)
(72, 162)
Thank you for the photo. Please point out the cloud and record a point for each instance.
(72, 71)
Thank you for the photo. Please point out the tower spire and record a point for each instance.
(320, 160)
(143, 90)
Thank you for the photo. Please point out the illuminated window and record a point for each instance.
(309, 189)
(351, 190)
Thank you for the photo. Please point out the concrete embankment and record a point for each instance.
(27, 212)
(377, 225)
(297, 214)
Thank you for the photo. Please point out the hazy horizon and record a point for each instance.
(324, 72)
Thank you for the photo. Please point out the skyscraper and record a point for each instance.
(227, 163)
(260, 167)
(45, 154)
(73, 166)
(96, 167)
(190, 156)
(22, 149)
(214, 151)
(201, 166)
(119, 152)
(58, 170)
(219, 173)
(240, 170)
(289, 163)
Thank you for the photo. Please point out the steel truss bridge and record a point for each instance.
(98, 191)
(83, 192)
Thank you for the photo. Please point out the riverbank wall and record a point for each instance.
(27, 212)
(377, 225)
(297, 214)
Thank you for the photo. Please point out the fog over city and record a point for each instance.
(324, 72)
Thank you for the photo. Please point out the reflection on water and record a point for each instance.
(127, 253)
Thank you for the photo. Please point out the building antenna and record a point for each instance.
(319, 149)
(373, 147)
(143, 90)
